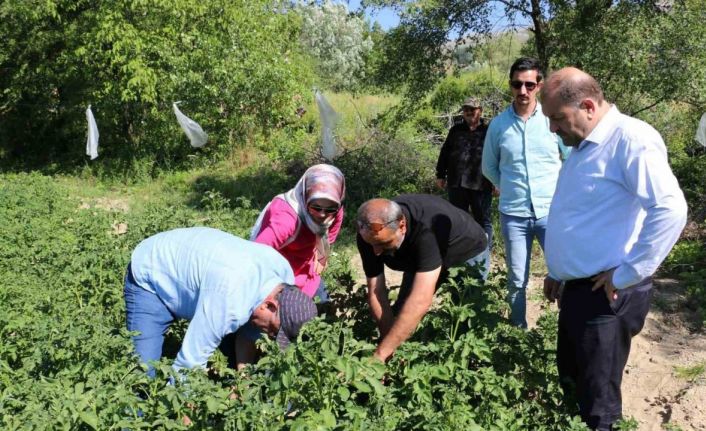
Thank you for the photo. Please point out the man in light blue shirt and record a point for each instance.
(522, 158)
(616, 214)
(218, 282)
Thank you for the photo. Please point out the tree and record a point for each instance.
(231, 62)
(642, 56)
(651, 53)
(337, 41)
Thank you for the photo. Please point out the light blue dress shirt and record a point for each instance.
(617, 205)
(523, 160)
(210, 277)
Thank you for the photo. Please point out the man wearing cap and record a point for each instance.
(423, 236)
(459, 167)
(218, 282)
(522, 158)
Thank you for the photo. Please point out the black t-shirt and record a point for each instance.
(438, 234)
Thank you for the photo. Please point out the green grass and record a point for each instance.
(690, 373)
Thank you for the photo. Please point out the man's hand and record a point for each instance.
(553, 290)
(377, 355)
(441, 183)
(414, 308)
(605, 280)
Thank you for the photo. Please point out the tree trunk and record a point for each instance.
(540, 41)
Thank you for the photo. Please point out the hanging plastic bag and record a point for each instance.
(192, 129)
(329, 117)
(701, 131)
(92, 140)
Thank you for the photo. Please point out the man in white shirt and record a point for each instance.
(616, 213)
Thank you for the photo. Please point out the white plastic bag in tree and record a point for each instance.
(701, 131)
(92, 140)
(192, 129)
(329, 117)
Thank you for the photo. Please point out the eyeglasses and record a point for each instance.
(327, 210)
(529, 85)
(374, 226)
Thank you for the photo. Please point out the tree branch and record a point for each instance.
(514, 6)
(660, 100)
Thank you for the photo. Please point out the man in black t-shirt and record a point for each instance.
(421, 235)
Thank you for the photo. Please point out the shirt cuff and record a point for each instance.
(625, 276)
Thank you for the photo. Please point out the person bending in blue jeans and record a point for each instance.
(522, 158)
(218, 282)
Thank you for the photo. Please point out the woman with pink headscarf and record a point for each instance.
(303, 223)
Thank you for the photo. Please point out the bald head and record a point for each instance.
(382, 225)
(573, 102)
(570, 86)
(379, 211)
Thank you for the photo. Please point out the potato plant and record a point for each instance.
(66, 360)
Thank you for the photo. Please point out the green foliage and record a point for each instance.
(688, 261)
(627, 424)
(384, 166)
(635, 71)
(690, 373)
(232, 63)
(66, 360)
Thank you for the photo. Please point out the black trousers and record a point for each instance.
(594, 343)
(479, 202)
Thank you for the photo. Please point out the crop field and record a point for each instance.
(66, 359)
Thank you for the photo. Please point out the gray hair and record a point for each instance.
(386, 211)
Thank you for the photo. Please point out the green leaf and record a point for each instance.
(89, 418)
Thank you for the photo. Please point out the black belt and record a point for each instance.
(588, 280)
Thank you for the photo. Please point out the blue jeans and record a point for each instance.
(519, 232)
(482, 259)
(322, 293)
(147, 314)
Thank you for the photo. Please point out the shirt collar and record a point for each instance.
(537, 108)
(601, 133)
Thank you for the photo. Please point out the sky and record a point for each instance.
(388, 18)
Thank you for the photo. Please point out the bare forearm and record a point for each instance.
(380, 304)
(245, 352)
(404, 325)
(416, 306)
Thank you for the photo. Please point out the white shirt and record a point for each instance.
(616, 205)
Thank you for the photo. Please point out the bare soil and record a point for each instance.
(655, 393)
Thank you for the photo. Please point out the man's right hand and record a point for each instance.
(552, 290)
(441, 183)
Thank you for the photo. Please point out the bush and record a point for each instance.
(381, 165)
(232, 63)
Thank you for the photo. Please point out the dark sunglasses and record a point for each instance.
(374, 226)
(529, 85)
(327, 210)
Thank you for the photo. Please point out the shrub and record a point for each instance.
(232, 63)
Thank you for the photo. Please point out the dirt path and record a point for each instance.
(654, 393)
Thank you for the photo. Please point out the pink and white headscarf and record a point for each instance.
(318, 182)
